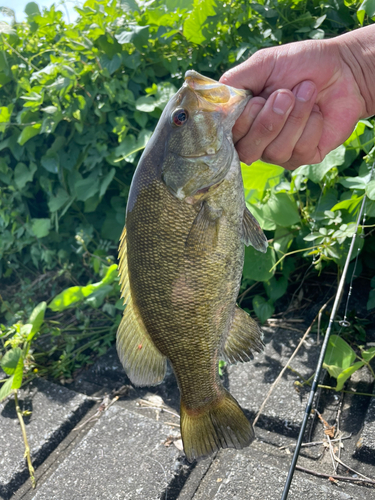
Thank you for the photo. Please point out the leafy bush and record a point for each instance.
(78, 103)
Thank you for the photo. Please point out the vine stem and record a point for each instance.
(19, 55)
(27, 448)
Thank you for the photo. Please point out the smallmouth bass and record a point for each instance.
(181, 258)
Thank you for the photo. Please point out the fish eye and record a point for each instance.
(179, 117)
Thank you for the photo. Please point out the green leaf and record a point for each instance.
(40, 227)
(279, 210)
(339, 356)
(28, 132)
(347, 373)
(371, 300)
(18, 374)
(23, 175)
(32, 9)
(369, 354)
(354, 139)
(106, 181)
(354, 182)
(5, 28)
(56, 202)
(36, 319)
(258, 177)
(86, 188)
(135, 34)
(262, 308)
(146, 104)
(370, 190)
(351, 205)
(6, 388)
(110, 275)
(69, 297)
(366, 7)
(10, 360)
(50, 163)
(96, 299)
(5, 114)
(334, 159)
(129, 145)
(193, 26)
(258, 265)
(263, 215)
(111, 65)
(317, 34)
(282, 240)
(283, 210)
(276, 288)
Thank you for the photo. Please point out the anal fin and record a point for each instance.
(143, 362)
(252, 232)
(243, 339)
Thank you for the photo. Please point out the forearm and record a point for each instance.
(357, 50)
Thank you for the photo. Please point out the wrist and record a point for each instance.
(357, 52)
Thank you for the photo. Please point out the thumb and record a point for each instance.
(251, 74)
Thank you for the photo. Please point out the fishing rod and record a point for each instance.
(315, 383)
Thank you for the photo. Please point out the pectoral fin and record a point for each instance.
(204, 231)
(244, 337)
(252, 232)
(143, 362)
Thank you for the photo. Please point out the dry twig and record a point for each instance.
(283, 371)
(314, 443)
(338, 478)
(104, 405)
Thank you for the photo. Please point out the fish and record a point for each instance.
(181, 257)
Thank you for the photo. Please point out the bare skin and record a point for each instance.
(309, 97)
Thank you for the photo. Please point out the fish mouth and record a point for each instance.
(213, 93)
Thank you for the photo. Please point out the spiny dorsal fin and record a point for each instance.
(244, 337)
(204, 231)
(252, 232)
(142, 361)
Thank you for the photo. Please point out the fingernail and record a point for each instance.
(305, 91)
(282, 103)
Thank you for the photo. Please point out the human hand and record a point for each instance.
(308, 101)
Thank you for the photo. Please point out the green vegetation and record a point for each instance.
(78, 104)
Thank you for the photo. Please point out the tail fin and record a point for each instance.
(222, 425)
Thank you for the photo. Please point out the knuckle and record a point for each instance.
(266, 128)
(296, 120)
(275, 155)
(302, 149)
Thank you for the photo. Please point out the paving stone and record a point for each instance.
(365, 447)
(250, 382)
(55, 411)
(108, 374)
(122, 457)
(259, 473)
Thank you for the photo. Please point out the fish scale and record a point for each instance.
(181, 258)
